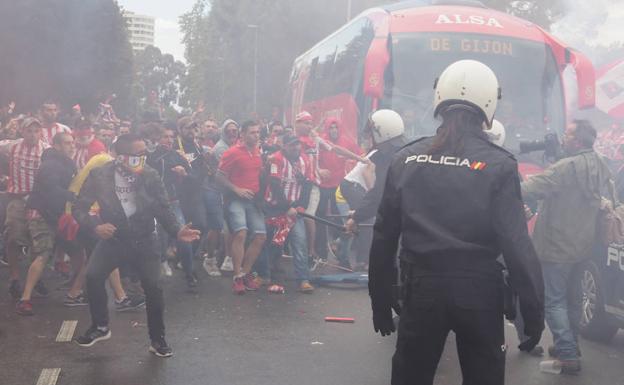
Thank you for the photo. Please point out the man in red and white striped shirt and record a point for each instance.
(48, 114)
(24, 160)
(87, 145)
(290, 172)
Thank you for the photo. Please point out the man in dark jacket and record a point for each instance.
(131, 196)
(174, 170)
(387, 131)
(45, 205)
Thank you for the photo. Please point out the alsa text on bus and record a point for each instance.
(473, 19)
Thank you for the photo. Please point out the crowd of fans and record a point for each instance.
(243, 186)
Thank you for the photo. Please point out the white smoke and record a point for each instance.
(591, 27)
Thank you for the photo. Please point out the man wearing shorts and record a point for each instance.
(24, 160)
(45, 205)
(239, 172)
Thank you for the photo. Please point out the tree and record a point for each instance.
(161, 74)
(71, 51)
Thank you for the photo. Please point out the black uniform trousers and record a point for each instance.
(470, 306)
(143, 258)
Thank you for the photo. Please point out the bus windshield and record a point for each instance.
(532, 103)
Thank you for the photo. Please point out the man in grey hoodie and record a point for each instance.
(230, 132)
(229, 137)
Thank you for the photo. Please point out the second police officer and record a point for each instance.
(453, 202)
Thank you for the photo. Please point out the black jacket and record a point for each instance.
(382, 160)
(163, 160)
(454, 216)
(50, 191)
(151, 201)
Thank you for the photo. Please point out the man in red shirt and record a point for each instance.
(239, 172)
(311, 145)
(336, 164)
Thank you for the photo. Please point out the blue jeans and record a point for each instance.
(298, 246)
(563, 306)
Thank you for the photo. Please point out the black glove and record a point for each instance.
(382, 320)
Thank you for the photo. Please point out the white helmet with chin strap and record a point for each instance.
(497, 133)
(386, 125)
(468, 83)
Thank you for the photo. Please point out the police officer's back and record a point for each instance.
(454, 201)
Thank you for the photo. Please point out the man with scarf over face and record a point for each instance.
(87, 145)
(131, 196)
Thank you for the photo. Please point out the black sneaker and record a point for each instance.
(160, 348)
(15, 289)
(130, 303)
(93, 335)
(79, 300)
(41, 290)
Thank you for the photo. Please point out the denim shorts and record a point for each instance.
(244, 215)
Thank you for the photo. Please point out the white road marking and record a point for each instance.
(67, 331)
(49, 376)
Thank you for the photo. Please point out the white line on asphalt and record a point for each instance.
(49, 376)
(67, 331)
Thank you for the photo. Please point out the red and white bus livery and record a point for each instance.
(389, 57)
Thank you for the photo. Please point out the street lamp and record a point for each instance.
(348, 10)
(255, 81)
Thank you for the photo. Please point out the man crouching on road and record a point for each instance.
(130, 195)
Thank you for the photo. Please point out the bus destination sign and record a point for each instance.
(472, 45)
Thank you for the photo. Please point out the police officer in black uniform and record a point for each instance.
(453, 201)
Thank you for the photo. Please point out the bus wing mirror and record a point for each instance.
(585, 77)
(377, 60)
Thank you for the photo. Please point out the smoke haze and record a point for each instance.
(591, 26)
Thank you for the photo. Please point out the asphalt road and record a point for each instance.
(255, 339)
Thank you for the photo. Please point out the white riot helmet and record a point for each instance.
(496, 134)
(386, 125)
(469, 83)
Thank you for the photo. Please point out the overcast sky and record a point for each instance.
(166, 12)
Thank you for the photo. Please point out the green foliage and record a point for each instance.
(72, 51)
(155, 72)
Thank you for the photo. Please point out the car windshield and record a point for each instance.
(532, 103)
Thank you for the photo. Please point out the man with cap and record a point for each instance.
(290, 171)
(24, 161)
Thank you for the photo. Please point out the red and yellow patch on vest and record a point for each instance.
(443, 160)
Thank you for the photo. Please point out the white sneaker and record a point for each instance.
(210, 265)
(227, 264)
(166, 269)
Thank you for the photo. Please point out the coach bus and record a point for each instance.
(389, 57)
